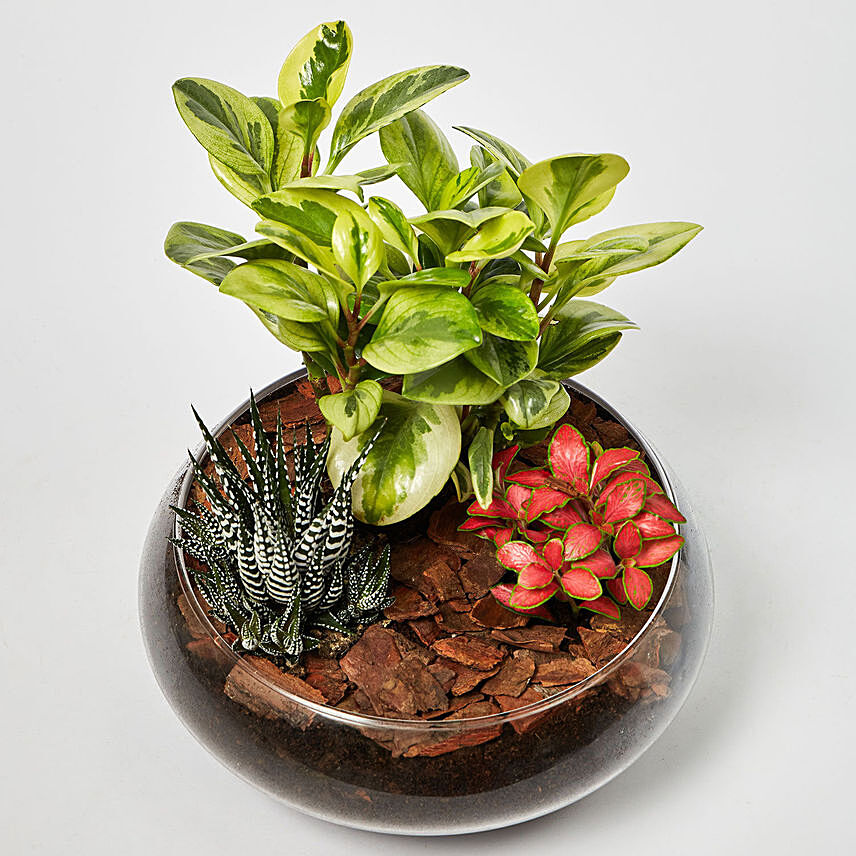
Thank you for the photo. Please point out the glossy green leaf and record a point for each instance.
(506, 311)
(428, 160)
(278, 287)
(566, 188)
(448, 229)
(353, 411)
(497, 238)
(357, 246)
(297, 243)
(317, 65)
(455, 382)
(247, 188)
(452, 277)
(465, 184)
(297, 335)
(422, 327)
(535, 402)
(230, 126)
(408, 465)
(185, 242)
(480, 457)
(502, 190)
(515, 162)
(583, 334)
(306, 120)
(503, 360)
(288, 158)
(250, 250)
(392, 222)
(387, 100)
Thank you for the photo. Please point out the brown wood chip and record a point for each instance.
(563, 671)
(471, 652)
(452, 621)
(440, 583)
(538, 637)
(479, 574)
(408, 604)
(529, 696)
(466, 679)
(443, 529)
(324, 675)
(489, 612)
(600, 646)
(513, 677)
(426, 630)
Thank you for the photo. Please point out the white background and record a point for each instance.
(737, 115)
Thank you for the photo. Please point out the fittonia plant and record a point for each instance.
(477, 305)
(278, 563)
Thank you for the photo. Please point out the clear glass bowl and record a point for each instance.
(354, 769)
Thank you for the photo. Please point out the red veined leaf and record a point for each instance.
(600, 563)
(554, 553)
(502, 537)
(625, 501)
(581, 584)
(652, 526)
(536, 536)
(529, 478)
(637, 586)
(527, 599)
(516, 497)
(568, 457)
(610, 461)
(658, 550)
(662, 507)
(651, 487)
(616, 588)
(561, 518)
(603, 606)
(503, 593)
(517, 555)
(628, 541)
(473, 523)
(534, 576)
(582, 539)
(544, 500)
(502, 460)
(497, 508)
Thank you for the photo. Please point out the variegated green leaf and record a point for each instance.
(230, 126)
(448, 229)
(415, 452)
(465, 184)
(392, 222)
(353, 411)
(497, 238)
(503, 360)
(506, 311)
(515, 162)
(455, 382)
(502, 190)
(247, 188)
(297, 335)
(451, 277)
(422, 327)
(583, 334)
(297, 243)
(353, 183)
(571, 188)
(357, 246)
(288, 158)
(250, 250)
(278, 287)
(317, 65)
(480, 457)
(187, 243)
(428, 159)
(387, 100)
(535, 402)
(306, 119)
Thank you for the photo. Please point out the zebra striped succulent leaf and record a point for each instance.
(275, 557)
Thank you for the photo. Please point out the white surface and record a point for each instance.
(738, 115)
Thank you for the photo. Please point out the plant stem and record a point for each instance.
(544, 263)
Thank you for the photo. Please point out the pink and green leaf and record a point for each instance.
(561, 518)
(544, 500)
(652, 526)
(637, 586)
(658, 504)
(471, 524)
(616, 588)
(553, 552)
(497, 508)
(581, 540)
(568, 457)
(529, 478)
(581, 584)
(611, 461)
(600, 563)
(503, 594)
(502, 460)
(535, 576)
(517, 497)
(517, 555)
(628, 541)
(528, 599)
(624, 501)
(603, 606)
(536, 536)
(658, 550)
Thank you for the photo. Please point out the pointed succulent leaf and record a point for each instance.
(353, 411)
(230, 126)
(317, 65)
(387, 100)
(428, 159)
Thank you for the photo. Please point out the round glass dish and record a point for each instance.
(399, 776)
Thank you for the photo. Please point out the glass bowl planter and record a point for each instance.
(423, 776)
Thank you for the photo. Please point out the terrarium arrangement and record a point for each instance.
(390, 574)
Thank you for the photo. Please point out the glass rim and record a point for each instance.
(373, 721)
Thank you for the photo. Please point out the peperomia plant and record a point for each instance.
(583, 529)
(277, 560)
(474, 311)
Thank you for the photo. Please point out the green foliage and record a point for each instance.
(276, 558)
(476, 303)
